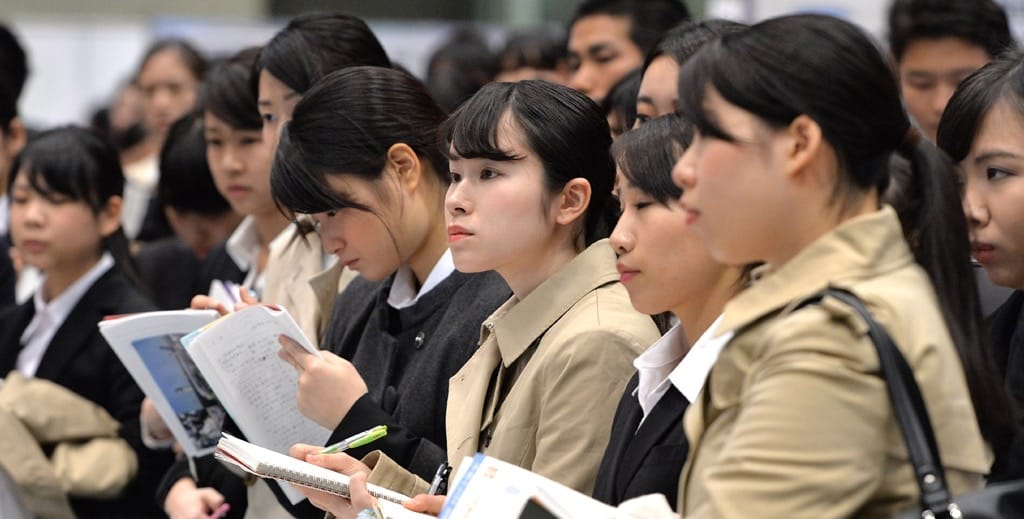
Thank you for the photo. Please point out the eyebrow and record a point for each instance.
(598, 47)
(986, 156)
(645, 99)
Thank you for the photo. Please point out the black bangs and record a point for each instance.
(647, 154)
(694, 77)
(226, 93)
(300, 189)
(71, 162)
(472, 130)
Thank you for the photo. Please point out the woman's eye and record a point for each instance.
(331, 214)
(488, 174)
(267, 118)
(996, 173)
(641, 205)
(456, 177)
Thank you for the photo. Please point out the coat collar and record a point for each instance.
(858, 248)
(517, 324)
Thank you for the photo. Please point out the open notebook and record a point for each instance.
(266, 463)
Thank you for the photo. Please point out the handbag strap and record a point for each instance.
(908, 407)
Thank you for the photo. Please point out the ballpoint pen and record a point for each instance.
(357, 440)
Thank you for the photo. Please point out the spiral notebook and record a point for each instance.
(266, 463)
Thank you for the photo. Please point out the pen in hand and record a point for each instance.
(357, 440)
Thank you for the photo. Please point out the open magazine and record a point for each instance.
(149, 346)
(194, 366)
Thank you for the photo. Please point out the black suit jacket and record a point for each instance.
(8, 279)
(1006, 329)
(648, 460)
(79, 359)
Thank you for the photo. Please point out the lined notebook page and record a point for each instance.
(269, 464)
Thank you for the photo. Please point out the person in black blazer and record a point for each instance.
(665, 268)
(70, 230)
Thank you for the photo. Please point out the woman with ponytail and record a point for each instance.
(788, 165)
(65, 190)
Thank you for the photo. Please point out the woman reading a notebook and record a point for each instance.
(530, 198)
(410, 321)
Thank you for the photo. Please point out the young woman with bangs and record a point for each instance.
(530, 199)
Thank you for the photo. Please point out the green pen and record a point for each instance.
(357, 440)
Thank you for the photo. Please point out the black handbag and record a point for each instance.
(1004, 500)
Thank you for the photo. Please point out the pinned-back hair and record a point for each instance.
(313, 45)
(226, 93)
(1002, 80)
(374, 108)
(566, 129)
(647, 154)
(76, 163)
(833, 73)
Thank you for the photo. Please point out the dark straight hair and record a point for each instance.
(189, 55)
(648, 19)
(76, 163)
(1002, 80)
(186, 183)
(982, 23)
(646, 156)
(566, 129)
(373, 108)
(834, 74)
(313, 45)
(226, 93)
(684, 40)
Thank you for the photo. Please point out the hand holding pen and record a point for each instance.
(357, 440)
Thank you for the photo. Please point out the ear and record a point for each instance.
(573, 201)
(110, 217)
(802, 145)
(15, 137)
(406, 166)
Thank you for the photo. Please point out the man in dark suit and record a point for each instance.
(13, 73)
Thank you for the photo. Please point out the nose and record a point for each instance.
(621, 239)
(975, 208)
(456, 200)
(683, 172)
(327, 228)
(941, 97)
(583, 80)
(230, 160)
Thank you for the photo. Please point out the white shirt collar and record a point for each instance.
(49, 316)
(655, 364)
(691, 373)
(5, 207)
(403, 290)
(667, 362)
(243, 246)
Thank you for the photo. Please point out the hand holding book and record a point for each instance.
(328, 384)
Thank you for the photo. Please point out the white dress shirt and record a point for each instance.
(403, 291)
(50, 315)
(243, 246)
(668, 363)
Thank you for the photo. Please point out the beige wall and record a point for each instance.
(133, 8)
